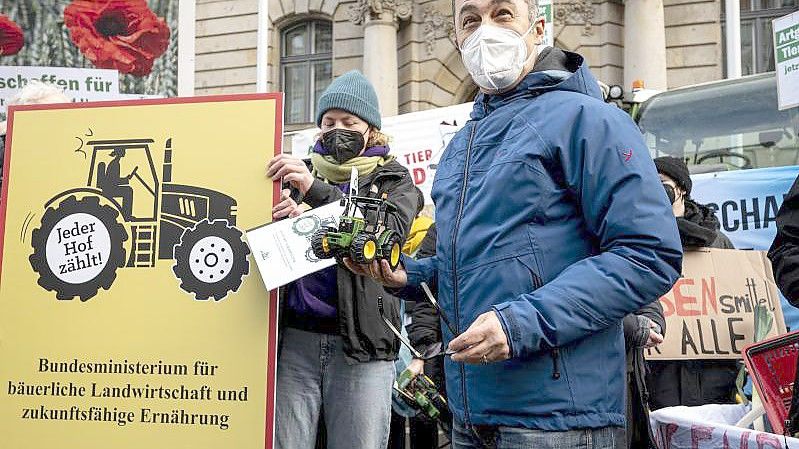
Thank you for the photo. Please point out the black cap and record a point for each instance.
(675, 169)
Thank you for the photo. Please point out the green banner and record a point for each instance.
(546, 11)
(787, 52)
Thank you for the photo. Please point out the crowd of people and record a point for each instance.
(550, 278)
(555, 234)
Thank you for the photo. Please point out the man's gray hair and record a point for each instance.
(37, 92)
(532, 5)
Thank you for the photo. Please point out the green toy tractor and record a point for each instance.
(361, 239)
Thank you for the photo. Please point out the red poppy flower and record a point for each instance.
(117, 34)
(11, 37)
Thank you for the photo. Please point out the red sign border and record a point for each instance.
(271, 374)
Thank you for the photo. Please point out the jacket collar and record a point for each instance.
(555, 69)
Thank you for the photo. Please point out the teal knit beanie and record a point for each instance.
(353, 93)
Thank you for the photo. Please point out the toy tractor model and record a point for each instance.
(81, 241)
(421, 394)
(362, 239)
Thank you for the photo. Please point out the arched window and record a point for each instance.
(306, 53)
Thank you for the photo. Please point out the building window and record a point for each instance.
(757, 45)
(306, 53)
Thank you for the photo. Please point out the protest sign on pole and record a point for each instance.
(545, 11)
(786, 55)
(711, 310)
(131, 314)
(155, 57)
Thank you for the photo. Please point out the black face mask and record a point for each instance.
(670, 193)
(343, 144)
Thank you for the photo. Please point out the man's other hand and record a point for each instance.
(484, 342)
(380, 271)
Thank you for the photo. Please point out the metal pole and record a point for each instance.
(733, 37)
(262, 50)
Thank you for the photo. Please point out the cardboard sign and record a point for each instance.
(710, 312)
(130, 312)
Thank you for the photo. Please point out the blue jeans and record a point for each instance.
(500, 437)
(312, 376)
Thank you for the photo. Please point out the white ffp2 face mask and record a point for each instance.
(495, 56)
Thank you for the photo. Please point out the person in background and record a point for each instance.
(35, 92)
(784, 256)
(336, 354)
(784, 251)
(690, 382)
(418, 229)
(424, 330)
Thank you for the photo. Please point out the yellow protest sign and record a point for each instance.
(131, 312)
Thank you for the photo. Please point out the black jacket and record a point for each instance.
(694, 382)
(639, 431)
(784, 252)
(366, 336)
(784, 255)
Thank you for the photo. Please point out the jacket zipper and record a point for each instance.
(555, 352)
(555, 365)
(454, 263)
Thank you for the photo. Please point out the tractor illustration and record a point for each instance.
(362, 239)
(81, 241)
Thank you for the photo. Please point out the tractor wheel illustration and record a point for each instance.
(306, 225)
(392, 249)
(320, 245)
(78, 248)
(364, 248)
(211, 260)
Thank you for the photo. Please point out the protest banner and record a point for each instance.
(711, 310)
(130, 311)
(79, 85)
(712, 426)
(154, 59)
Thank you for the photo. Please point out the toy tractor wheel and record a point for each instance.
(78, 247)
(211, 260)
(392, 250)
(364, 248)
(320, 244)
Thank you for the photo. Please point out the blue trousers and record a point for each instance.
(500, 437)
(314, 381)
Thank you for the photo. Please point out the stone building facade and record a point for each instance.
(405, 46)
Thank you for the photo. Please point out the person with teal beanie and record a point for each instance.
(335, 363)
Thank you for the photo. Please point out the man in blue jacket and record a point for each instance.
(552, 226)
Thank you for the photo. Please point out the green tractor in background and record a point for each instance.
(361, 239)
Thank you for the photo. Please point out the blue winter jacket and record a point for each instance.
(549, 212)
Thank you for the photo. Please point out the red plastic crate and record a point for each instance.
(772, 366)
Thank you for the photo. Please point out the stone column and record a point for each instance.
(644, 44)
(380, 19)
